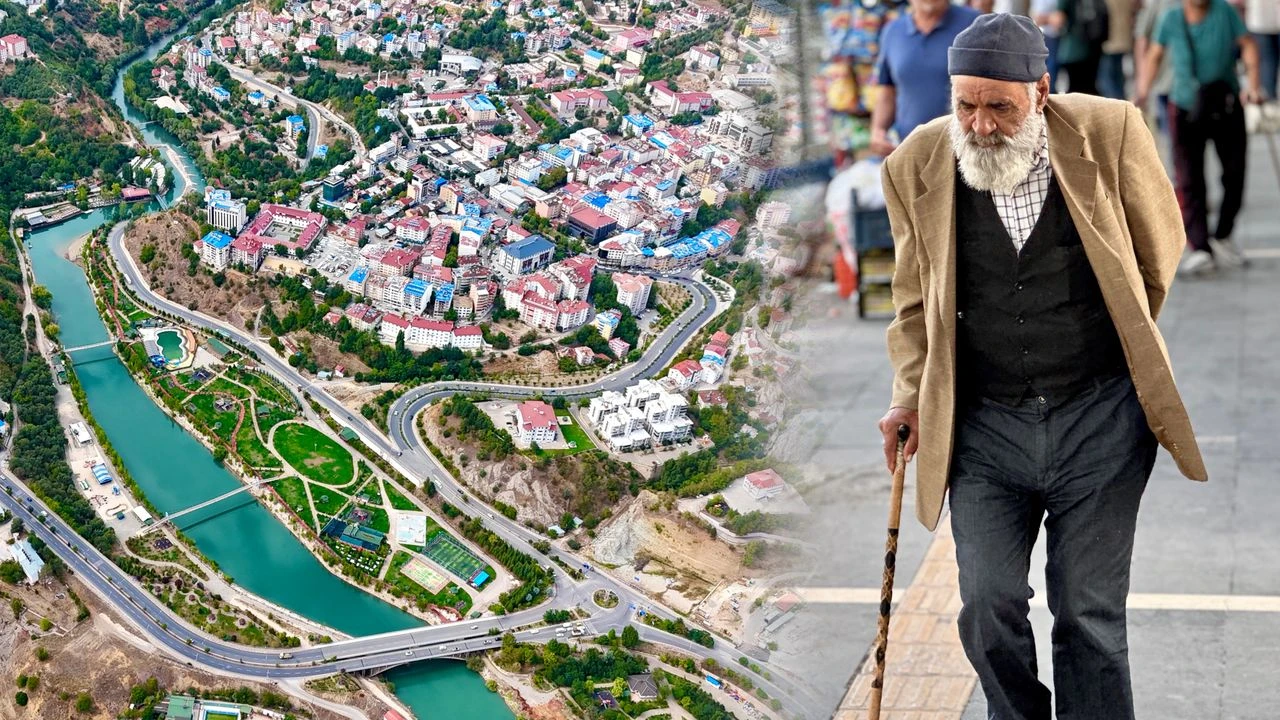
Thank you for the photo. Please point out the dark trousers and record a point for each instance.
(1189, 139)
(1051, 63)
(1082, 76)
(1268, 62)
(1080, 467)
(1111, 76)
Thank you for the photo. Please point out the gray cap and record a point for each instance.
(999, 46)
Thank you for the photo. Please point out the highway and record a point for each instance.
(406, 452)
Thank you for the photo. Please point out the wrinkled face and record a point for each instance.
(996, 129)
(988, 107)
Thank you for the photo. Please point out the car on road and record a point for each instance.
(475, 627)
(408, 652)
(533, 631)
(444, 647)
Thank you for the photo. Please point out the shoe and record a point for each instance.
(1197, 262)
(1228, 254)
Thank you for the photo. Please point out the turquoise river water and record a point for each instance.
(176, 471)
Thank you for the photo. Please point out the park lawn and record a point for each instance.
(314, 454)
(294, 492)
(450, 596)
(207, 415)
(328, 501)
(574, 434)
(222, 385)
(398, 501)
(267, 389)
(378, 519)
(251, 450)
(272, 417)
(187, 380)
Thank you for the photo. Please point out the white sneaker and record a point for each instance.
(1228, 254)
(1197, 262)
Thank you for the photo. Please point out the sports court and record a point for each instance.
(452, 556)
(423, 574)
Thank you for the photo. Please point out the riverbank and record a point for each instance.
(268, 496)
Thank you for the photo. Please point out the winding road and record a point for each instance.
(404, 450)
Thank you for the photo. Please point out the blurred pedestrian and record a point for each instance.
(1042, 12)
(982, 6)
(1263, 20)
(1119, 45)
(1036, 237)
(1202, 38)
(1145, 33)
(1083, 27)
(912, 71)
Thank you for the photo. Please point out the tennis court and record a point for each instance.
(423, 574)
(453, 556)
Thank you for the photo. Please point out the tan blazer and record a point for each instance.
(1124, 209)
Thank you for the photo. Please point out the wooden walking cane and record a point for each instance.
(890, 562)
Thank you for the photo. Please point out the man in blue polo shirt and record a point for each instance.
(914, 85)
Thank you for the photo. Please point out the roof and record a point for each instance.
(688, 368)
(531, 246)
(480, 103)
(181, 707)
(766, 479)
(217, 239)
(642, 684)
(536, 415)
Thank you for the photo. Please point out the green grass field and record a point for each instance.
(572, 433)
(222, 385)
(313, 454)
(398, 501)
(328, 501)
(267, 389)
(451, 595)
(206, 414)
(293, 491)
(251, 449)
(452, 556)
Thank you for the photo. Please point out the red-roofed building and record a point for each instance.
(685, 374)
(536, 422)
(590, 224)
(619, 348)
(712, 398)
(574, 275)
(398, 261)
(567, 102)
(670, 102)
(468, 337)
(362, 317)
(247, 251)
(308, 223)
(764, 484)
(538, 312)
(721, 338)
(571, 314)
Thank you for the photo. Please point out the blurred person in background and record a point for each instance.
(1083, 27)
(912, 70)
(1145, 33)
(1036, 237)
(982, 6)
(1202, 39)
(1119, 44)
(1043, 12)
(1263, 20)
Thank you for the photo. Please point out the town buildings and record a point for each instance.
(536, 423)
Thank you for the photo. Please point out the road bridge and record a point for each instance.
(90, 346)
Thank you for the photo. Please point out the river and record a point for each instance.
(176, 471)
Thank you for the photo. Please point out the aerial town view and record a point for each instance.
(404, 360)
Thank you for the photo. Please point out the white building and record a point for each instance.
(644, 415)
(536, 422)
(28, 559)
(225, 213)
(633, 291)
(215, 249)
(764, 484)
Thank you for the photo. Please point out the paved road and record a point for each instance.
(314, 111)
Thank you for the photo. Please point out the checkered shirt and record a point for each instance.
(1020, 209)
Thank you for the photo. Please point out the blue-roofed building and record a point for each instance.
(480, 579)
(220, 94)
(470, 209)
(480, 109)
(416, 287)
(599, 200)
(322, 151)
(257, 98)
(444, 295)
(26, 556)
(354, 283)
(215, 249)
(635, 125)
(570, 74)
(593, 59)
(523, 256)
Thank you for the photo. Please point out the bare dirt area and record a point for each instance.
(543, 488)
(542, 363)
(353, 395)
(526, 700)
(326, 352)
(674, 556)
(100, 656)
(237, 301)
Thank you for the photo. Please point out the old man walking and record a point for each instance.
(1036, 239)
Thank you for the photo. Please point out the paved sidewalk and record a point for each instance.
(1205, 614)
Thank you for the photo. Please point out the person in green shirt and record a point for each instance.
(1202, 38)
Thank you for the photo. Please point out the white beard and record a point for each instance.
(997, 163)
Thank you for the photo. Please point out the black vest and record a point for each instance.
(1031, 324)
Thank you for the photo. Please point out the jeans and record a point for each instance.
(1189, 142)
(1111, 76)
(1081, 468)
(1268, 63)
(1051, 63)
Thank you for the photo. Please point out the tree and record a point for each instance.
(630, 637)
(20, 699)
(41, 296)
(619, 687)
(17, 606)
(84, 703)
(11, 572)
(148, 254)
